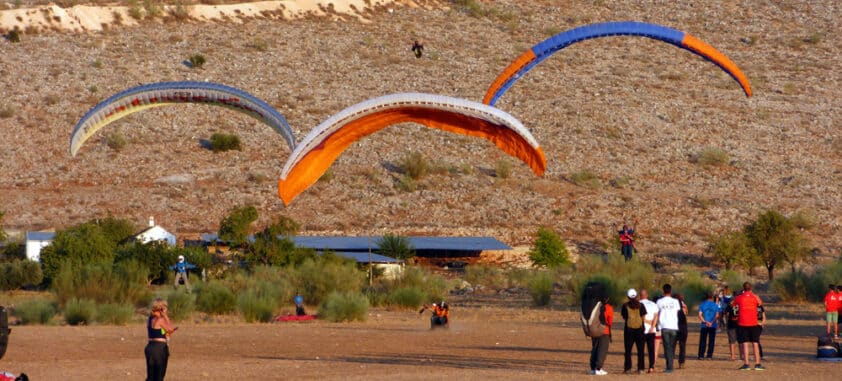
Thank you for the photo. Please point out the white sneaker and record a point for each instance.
(600, 372)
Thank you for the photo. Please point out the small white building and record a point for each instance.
(155, 233)
(35, 241)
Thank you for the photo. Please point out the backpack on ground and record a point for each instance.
(634, 321)
(593, 325)
(826, 347)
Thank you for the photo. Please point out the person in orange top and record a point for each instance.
(831, 306)
(599, 345)
(441, 314)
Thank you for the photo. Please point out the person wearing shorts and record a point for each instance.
(831, 307)
(748, 327)
(731, 326)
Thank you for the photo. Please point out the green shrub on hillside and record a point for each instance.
(585, 178)
(197, 61)
(549, 249)
(35, 311)
(79, 311)
(220, 142)
(414, 165)
(339, 307)
(503, 169)
(712, 156)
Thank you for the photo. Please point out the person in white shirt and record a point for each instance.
(667, 320)
(649, 327)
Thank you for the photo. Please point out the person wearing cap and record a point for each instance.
(181, 272)
(633, 313)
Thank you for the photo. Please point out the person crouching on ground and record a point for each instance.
(441, 314)
(158, 329)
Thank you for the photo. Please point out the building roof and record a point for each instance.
(39, 236)
(364, 257)
(420, 243)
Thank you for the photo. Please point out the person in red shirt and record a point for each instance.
(831, 306)
(748, 328)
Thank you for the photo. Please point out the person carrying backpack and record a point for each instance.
(597, 317)
(633, 313)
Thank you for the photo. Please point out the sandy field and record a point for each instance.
(483, 343)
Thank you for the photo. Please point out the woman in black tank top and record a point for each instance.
(158, 330)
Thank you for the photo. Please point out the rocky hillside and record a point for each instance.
(623, 122)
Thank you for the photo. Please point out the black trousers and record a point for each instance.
(599, 350)
(637, 338)
(682, 345)
(707, 339)
(157, 355)
(650, 348)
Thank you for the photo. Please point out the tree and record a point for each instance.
(155, 256)
(3, 235)
(234, 228)
(395, 246)
(82, 244)
(734, 249)
(775, 239)
(116, 230)
(548, 250)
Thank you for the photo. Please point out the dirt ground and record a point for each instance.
(482, 343)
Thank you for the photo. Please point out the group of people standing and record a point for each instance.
(652, 323)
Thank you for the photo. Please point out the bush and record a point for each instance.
(317, 279)
(225, 142)
(485, 275)
(433, 287)
(408, 297)
(7, 111)
(348, 306)
(799, 287)
(79, 311)
(14, 35)
(35, 311)
(693, 287)
(255, 307)
(196, 61)
(503, 169)
(215, 298)
(115, 141)
(585, 178)
(114, 313)
(180, 304)
(548, 250)
(406, 184)
(615, 273)
(414, 165)
(713, 157)
(122, 283)
(19, 273)
(541, 288)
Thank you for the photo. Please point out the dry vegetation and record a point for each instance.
(630, 113)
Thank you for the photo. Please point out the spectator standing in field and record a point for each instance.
(724, 300)
(633, 313)
(831, 306)
(731, 314)
(748, 328)
(709, 314)
(682, 331)
(158, 330)
(667, 320)
(649, 327)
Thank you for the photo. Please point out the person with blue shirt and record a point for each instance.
(709, 313)
(181, 268)
(299, 305)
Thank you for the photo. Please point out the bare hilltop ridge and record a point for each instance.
(627, 124)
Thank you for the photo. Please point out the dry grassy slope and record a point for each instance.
(620, 107)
